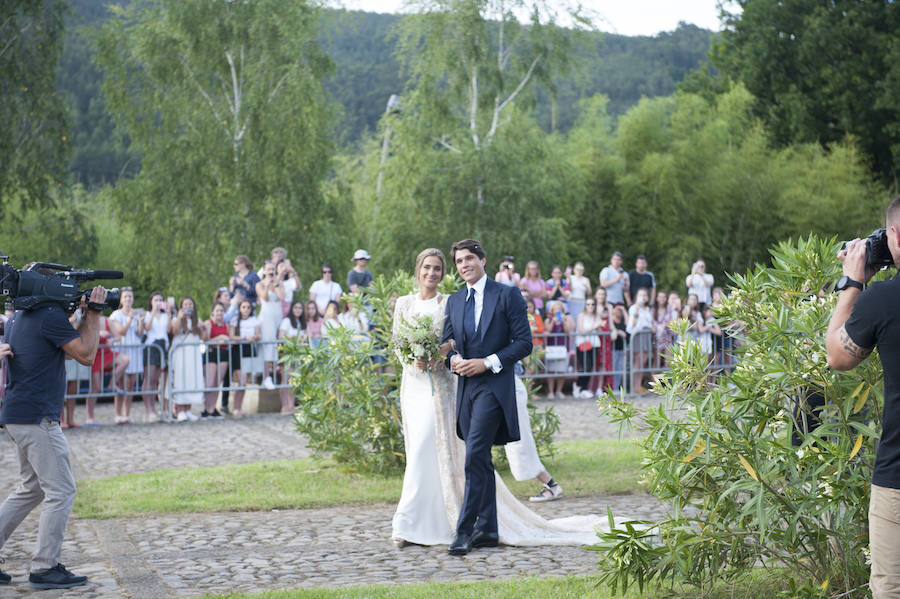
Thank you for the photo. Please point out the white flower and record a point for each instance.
(418, 351)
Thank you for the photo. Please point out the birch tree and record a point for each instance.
(465, 137)
(224, 103)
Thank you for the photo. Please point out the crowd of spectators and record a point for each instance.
(591, 333)
(589, 337)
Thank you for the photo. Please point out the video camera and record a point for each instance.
(28, 289)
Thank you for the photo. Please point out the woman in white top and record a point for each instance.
(640, 327)
(325, 289)
(247, 332)
(587, 341)
(270, 293)
(125, 324)
(155, 326)
(700, 283)
(355, 321)
(186, 361)
(579, 290)
(285, 271)
(330, 319)
(291, 328)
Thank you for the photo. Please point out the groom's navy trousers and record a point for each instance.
(479, 508)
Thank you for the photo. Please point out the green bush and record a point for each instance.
(719, 450)
(349, 389)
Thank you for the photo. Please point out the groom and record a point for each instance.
(489, 325)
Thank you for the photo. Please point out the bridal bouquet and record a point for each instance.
(417, 338)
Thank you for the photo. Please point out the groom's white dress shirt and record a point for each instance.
(491, 362)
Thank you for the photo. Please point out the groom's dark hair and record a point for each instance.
(466, 244)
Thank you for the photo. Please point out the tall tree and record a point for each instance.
(464, 154)
(33, 142)
(820, 70)
(224, 103)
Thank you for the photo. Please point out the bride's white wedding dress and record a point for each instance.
(434, 481)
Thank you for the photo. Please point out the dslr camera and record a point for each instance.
(28, 289)
(878, 255)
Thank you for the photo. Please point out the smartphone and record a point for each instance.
(170, 303)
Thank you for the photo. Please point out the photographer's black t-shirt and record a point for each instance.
(36, 372)
(875, 321)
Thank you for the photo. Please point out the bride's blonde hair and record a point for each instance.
(421, 259)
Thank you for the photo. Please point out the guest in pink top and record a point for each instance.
(313, 323)
(534, 285)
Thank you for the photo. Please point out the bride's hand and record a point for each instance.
(421, 365)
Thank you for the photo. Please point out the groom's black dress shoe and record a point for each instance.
(461, 545)
(485, 539)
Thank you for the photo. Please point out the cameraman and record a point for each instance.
(37, 342)
(861, 321)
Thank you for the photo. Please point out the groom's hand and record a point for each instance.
(471, 367)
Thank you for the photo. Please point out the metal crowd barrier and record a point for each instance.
(620, 369)
(185, 368)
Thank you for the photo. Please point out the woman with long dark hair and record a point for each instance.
(291, 327)
(247, 332)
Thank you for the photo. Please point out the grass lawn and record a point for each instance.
(760, 584)
(582, 467)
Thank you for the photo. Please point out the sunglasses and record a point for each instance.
(326, 272)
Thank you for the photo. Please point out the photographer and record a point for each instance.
(864, 319)
(36, 344)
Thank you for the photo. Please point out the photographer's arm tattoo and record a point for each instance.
(849, 346)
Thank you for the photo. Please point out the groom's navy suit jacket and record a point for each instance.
(503, 330)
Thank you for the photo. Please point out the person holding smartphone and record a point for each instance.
(270, 291)
(559, 326)
(155, 325)
(243, 282)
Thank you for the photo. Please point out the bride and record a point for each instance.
(434, 481)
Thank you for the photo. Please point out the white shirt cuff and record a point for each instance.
(494, 361)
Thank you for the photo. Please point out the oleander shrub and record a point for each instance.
(719, 449)
(348, 390)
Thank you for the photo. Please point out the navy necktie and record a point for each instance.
(469, 315)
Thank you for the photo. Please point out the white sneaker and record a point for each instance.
(182, 417)
(191, 416)
(576, 390)
(547, 494)
(268, 383)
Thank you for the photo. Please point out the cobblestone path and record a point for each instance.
(183, 555)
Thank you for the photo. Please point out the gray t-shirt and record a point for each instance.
(615, 293)
(360, 279)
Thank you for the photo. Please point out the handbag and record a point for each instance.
(556, 352)
(585, 346)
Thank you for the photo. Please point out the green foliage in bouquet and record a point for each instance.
(349, 388)
(719, 449)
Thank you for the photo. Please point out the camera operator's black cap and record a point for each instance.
(509, 259)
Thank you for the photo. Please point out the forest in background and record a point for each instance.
(172, 137)
(366, 73)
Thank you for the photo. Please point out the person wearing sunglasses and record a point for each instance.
(325, 289)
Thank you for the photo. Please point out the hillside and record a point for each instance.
(366, 74)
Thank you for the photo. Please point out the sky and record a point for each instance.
(626, 17)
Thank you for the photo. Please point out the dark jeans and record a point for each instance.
(584, 362)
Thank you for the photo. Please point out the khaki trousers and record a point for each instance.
(884, 542)
(46, 476)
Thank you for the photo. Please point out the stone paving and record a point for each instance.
(179, 555)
